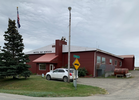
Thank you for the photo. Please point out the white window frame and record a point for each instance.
(40, 66)
(98, 62)
(103, 62)
(51, 67)
(120, 63)
(115, 63)
(110, 61)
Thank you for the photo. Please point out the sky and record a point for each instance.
(109, 25)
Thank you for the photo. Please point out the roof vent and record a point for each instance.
(63, 38)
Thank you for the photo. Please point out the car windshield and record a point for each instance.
(71, 71)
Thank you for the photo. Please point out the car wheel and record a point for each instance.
(48, 77)
(65, 79)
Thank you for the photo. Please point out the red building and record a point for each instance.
(54, 56)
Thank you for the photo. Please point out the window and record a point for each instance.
(103, 60)
(56, 70)
(42, 66)
(98, 59)
(71, 71)
(111, 61)
(115, 63)
(120, 63)
(61, 71)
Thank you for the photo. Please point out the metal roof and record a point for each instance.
(46, 58)
(43, 50)
(109, 53)
(76, 48)
(127, 56)
(51, 49)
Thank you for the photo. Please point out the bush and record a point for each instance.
(82, 72)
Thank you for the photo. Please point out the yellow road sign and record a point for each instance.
(76, 64)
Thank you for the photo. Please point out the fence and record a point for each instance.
(103, 68)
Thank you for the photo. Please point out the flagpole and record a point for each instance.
(69, 8)
(17, 19)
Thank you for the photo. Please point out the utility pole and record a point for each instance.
(69, 8)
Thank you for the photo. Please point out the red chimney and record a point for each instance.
(58, 50)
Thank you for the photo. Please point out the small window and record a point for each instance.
(120, 63)
(115, 63)
(111, 61)
(56, 70)
(42, 66)
(98, 59)
(103, 60)
(71, 71)
(61, 71)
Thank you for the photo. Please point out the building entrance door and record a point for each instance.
(51, 67)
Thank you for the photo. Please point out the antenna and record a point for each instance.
(97, 46)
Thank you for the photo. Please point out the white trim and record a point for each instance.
(42, 69)
(110, 61)
(97, 60)
(109, 53)
(120, 64)
(94, 64)
(51, 65)
(101, 60)
(116, 63)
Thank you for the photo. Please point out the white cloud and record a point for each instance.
(111, 25)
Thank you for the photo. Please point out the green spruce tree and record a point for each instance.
(3, 68)
(13, 60)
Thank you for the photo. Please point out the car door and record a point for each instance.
(54, 74)
(61, 73)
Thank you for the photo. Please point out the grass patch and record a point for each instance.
(40, 87)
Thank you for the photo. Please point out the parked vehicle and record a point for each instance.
(61, 74)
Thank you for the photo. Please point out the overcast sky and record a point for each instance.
(110, 25)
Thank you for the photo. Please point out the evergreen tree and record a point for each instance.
(13, 60)
(3, 68)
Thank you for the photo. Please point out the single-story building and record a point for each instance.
(55, 55)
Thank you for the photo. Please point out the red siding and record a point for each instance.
(39, 72)
(86, 60)
(35, 66)
(128, 63)
(108, 57)
(32, 64)
(58, 51)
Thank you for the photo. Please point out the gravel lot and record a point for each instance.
(117, 87)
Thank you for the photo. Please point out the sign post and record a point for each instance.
(76, 64)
